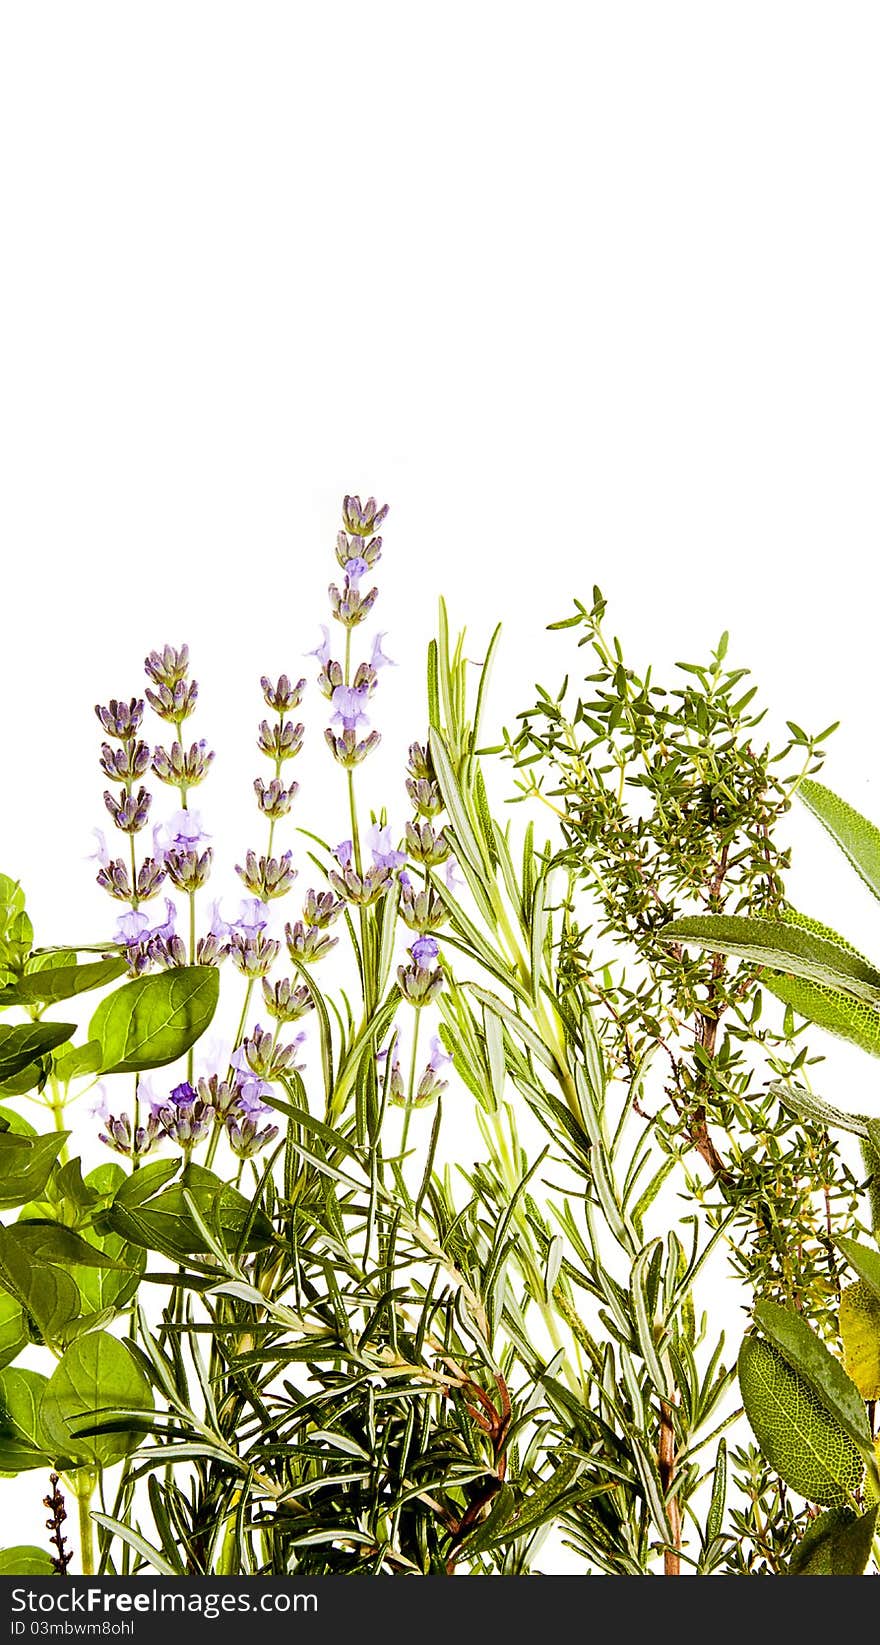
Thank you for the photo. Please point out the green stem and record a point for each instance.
(85, 1486)
(411, 1089)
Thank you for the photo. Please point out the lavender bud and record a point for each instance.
(282, 696)
(394, 1077)
(125, 763)
(419, 762)
(348, 605)
(121, 719)
(210, 950)
(168, 952)
(168, 666)
(273, 799)
(361, 889)
(185, 1118)
(424, 845)
(151, 875)
(188, 870)
(418, 985)
(321, 908)
(362, 519)
(266, 1059)
(253, 953)
(429, 1088)
(118, 1135)
(113, 877)
(308, 943)
(366, 679)
(425, 796)
(218, 1094)
(246, 1137)
(346, 749)
(129, 811)
(267, 877)
(350, 548)
(280, 742)
(422, 910)
(174, 702)
(183, 766)
(330, 678)
(287, 1001)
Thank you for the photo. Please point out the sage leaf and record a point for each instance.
(797, 1435)
(858, 839)
(838, 1543)
(806, 1353)
(864, 1261)
(860, 1335)
(154, 1020)
(781, 946)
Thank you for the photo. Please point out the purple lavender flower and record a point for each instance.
(348, 605)
(391, 1072)
(355, 569)
(344, 853)
(321, 907)
(430, 1085)
(260, 1055)
(219, 1094)
(250, 1094)
(378, 658)
(131, 927)
(322, 651)
(425, 951)
(125, 763)
(182, 832)
(424, 844)
(174, 703)
(185, 1117)
(384, 853)
(347, 703)
(252, 952)
(138, 935)
(453, 879)
(188, 870)
(419, 983)
(361, 889)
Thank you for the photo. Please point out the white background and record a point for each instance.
(587, 292)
